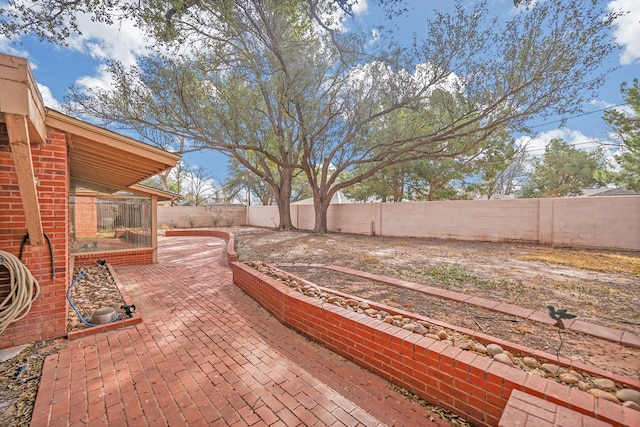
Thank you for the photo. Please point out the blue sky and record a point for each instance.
(56, 68)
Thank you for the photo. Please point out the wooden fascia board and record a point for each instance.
(18, 130)
(19, 95)
(159, 194)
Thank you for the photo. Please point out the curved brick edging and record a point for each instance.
(610, 334)
(231, 251)
(468, 384)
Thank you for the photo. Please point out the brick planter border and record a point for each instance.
(468, 384)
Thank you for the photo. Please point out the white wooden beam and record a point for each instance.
(17, 127)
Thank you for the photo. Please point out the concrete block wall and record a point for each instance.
(594, 222)
(200, 216)
(48, 314)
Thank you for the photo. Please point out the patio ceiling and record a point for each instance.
(101, 159)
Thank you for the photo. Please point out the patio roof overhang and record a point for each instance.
(101, 158)
(98, 158)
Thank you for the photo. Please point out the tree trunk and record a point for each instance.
(284, 200)
(321, 206)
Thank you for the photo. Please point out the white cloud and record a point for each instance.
(627, 29)
(535, 145)
(101, 80)
(6, 47)
(48, 98)
(121, 41)
(360, 7)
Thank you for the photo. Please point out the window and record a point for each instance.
(104, 222)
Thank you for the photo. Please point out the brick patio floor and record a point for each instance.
(207, 354)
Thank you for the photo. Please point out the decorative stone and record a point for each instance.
(583, 386)
(551, 368)
(602, 394)
(443, 335)
(370, 311)
(632, 405)
(363, 305)
(530, 362)
(433, 336)
(409, 327)
(388, 319)
(568, 378)
(604, 384)
(628, 395)
(502, 358)
(480, 348)
(509, 355)
(464, 344)
(419, 329)
(576, 374)
(493, 349)
(333, 299)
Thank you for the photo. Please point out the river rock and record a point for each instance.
(493, 349)
(443, 335)
(632, 405)
(530, 362)
(584, 386)
(551, 368)
(433, 336)
(388, 319)
(568, 378)
(409, 327)
(370, 312)
(464, 344)
(480, 348)
(419, 329)
(502, 358)
(363, 305)
(601, 394)
(604, 384)
(628, 395)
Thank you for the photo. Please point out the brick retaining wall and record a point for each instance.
(470, 385)
(126, 257)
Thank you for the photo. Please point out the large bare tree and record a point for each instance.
(281, 83)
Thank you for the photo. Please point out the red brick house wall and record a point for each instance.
(48, 315)
(86, 217)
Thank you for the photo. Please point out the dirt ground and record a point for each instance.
(502, 272)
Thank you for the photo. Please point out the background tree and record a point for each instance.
(626, 126)
(498, 169)
(562, 171)
(200, 188)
